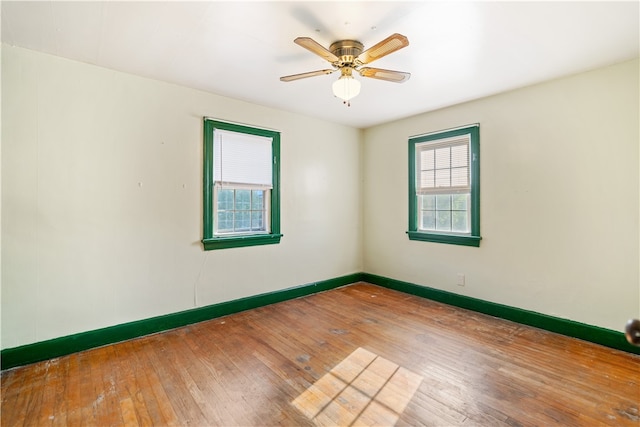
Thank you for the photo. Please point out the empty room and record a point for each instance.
(325, 213)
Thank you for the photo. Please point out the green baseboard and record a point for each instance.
(36, 352)
(57, 347)
(594, 334)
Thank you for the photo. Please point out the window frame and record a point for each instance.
(211, 240)
(473, 238)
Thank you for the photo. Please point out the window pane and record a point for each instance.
(242, 221)
(427, 179)
(225, 200)
(243, 200)
(257, 221)
(443, 202)
(225, 221)
(426, 160)
(460, 221)
(459, 202)
(257, 200)
(443, 158)
(428, 220)
(459, 156)
(443, 178)
(443, 220)
(460, 177)
(428, 202)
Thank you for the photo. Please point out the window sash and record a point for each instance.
(266, 210)
(443, 166)
(436, 213)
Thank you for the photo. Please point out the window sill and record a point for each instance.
(445, 238)
(240, 241)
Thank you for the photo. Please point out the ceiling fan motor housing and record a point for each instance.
(347, 51)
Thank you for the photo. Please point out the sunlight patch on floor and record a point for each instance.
(363, 389)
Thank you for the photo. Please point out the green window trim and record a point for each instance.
(472, 239)
(211, 241)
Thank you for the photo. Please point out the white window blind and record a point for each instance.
(240, 158)
(443, 166)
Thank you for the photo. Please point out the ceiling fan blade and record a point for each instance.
(305, 75)
(388, 75)
(385, 47)
(315, 47)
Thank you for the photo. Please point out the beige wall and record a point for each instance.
(559, 200)
(102, 200)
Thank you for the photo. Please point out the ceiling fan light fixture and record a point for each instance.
(346, 87)
(347, 56)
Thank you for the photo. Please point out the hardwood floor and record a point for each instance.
(357, 355)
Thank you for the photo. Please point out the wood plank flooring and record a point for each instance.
(357, 355)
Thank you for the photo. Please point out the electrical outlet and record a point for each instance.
(460, 279)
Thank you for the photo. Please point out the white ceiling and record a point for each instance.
(458, 51)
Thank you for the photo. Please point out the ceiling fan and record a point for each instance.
(348, 56)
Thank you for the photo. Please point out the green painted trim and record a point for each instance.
(445, 238)
(62, 346)
(241, 241)
(275, 191)
(207, 180)
(209, 241)
(413, 198)
(475, 181)
(455, 239)
(594, 334)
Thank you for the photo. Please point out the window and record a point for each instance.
(444, 187)
(241, 185)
